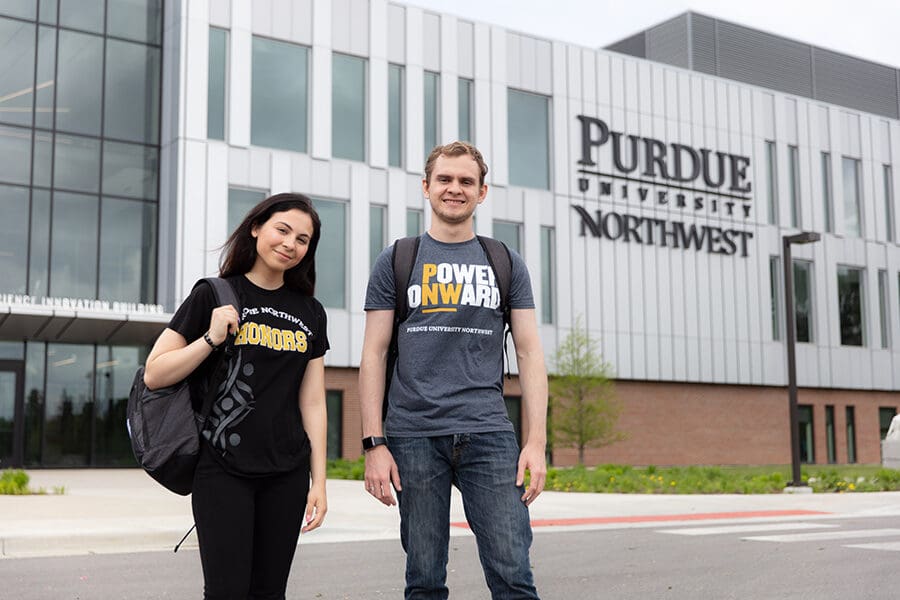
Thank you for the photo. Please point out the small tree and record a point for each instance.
(583, 405)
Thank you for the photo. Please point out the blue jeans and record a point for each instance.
(483, 467)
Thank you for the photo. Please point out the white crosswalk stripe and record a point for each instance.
(886, 546)
(750, 528)
(827, 535)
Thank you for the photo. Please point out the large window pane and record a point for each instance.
(377, 232)
(73, 259)
(46, 76)
(34, 401)
(775, 295)
(218, 69)
(13, 238)
(39, 248)
(850, 417)
(42, 163)
(415, 222)
(128, 251)
(805, 434)
(138, 20)
(794, 158)
(829, 435)
(772, 182)
(331, 255)
(850, 306)
(888, 202)
(529, 139)
(510, 234)
(114, 372)
(16, 71)
(548, 275)
(279, 95)
(348, 107)
(130, 170)
(132, 92)
(827, 192)
(24, 9)
(334, 400)
(15, 155)
(884, 309)
(8, 386)
(86, 15)
(852, 216)
(48, 11)
(803, 309)
(240, 201)
(79, 83)
(465, 92)
(395, 115)
(432, 110)
(77, 163)
(70, 377)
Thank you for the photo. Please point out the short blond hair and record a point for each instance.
(456, 149)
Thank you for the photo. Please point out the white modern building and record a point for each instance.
(647, 186)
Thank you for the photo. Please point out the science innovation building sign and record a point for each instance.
(648, 171)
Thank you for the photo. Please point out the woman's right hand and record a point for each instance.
(224, 320)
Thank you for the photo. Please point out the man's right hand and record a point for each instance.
(381, 472)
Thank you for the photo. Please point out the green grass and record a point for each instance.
(14, 483)
(623, 479)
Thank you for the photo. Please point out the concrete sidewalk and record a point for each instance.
(124, 510)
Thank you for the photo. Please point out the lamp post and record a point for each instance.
(805, 237)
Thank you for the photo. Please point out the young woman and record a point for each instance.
(264, 456)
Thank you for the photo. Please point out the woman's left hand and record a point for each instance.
(316, 507)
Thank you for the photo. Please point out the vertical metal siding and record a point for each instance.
(855, 83)
(703, 43)
(763, 59)
(668, 42)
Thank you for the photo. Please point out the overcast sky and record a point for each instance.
(867, 29)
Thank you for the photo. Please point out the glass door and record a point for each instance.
(11, 405)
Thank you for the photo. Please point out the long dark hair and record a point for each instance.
(239, 252)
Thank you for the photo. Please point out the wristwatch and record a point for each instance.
(373, 440)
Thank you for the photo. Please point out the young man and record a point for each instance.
(446, 422)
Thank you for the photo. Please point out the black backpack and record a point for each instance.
(403, 259)
(162, 424)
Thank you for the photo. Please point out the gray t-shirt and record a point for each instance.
(449, 375)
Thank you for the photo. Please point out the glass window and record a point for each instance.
(15, 155)
(348, 107)
(240, 201)
(82, 14)
(805, 423)
(548, 274)
(466, 87)
(888, 202)
(851, 434)
(432, 110)
(514, 412)
(132, 92)
(130, 170)
(377, 232)
(70, 377)
(24, 9)
(850, 306)
(8, 389)
(127, 250)
(114, 372)
(73, 256)
(528, 132)
(803, 314)
(77, 163)
(39, 247)
(794, 158)
(775, 295)
(334, 401)
(852, 193)
(331, 255)
(884, 309)
(827, 193)
(395, 115)
(79, 83)
(216, 87)
(137, 20)
(414, 222)
(885, 416)
(829, 434)
(34, 400)
(43, 158)
(279, 95)
(509, 233)
(772, 182)
(17, 68)
(46, 76)
(48, 11)
(13, 239)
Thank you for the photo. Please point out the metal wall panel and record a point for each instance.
(855, 83)
(668, 42)
(702, 30)
(764, 59)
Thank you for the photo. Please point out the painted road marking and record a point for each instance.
(829, 535)
(752, 514)
(745, 528)
(886, 546)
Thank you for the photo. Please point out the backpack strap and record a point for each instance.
(403, 259)
(223, 294)
(501, 263)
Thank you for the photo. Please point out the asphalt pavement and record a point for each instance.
(123, 510)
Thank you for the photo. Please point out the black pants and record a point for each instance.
(247, 529)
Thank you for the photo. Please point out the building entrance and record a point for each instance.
(12, 375)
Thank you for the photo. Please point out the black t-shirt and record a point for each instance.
(254, 425)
